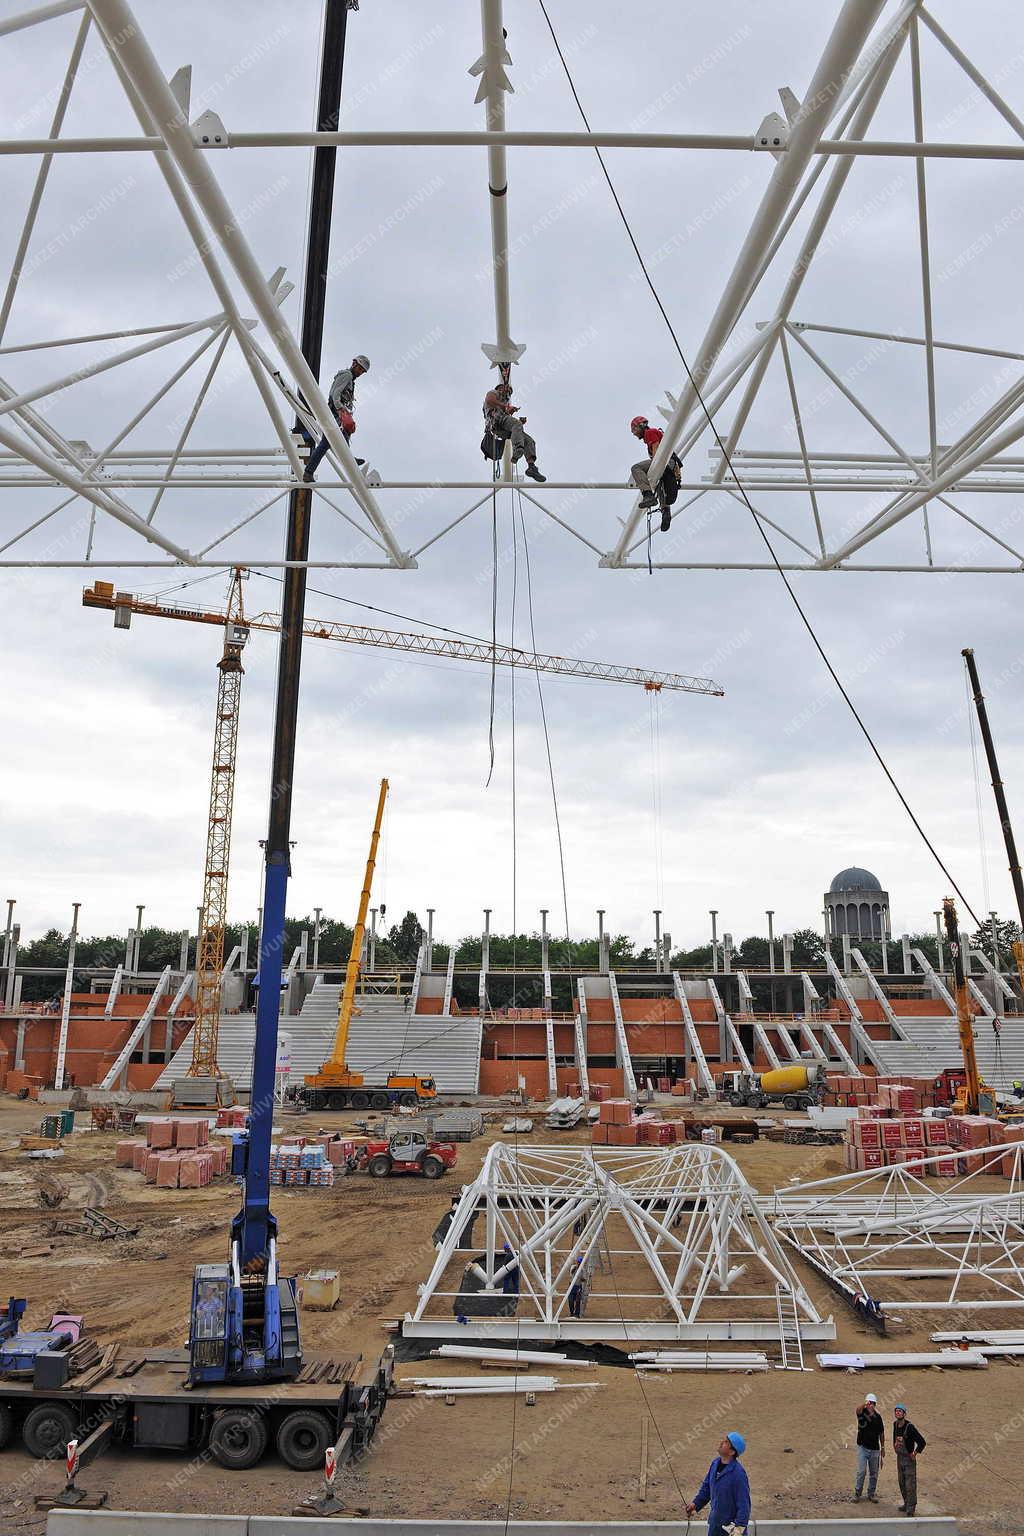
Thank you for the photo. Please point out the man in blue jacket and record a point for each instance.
(727, 1489)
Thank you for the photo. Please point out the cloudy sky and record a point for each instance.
(763, 794)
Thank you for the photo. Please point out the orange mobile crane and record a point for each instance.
(974, 1096)
(335, 1086)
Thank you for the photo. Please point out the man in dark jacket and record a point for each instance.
(908, 1443)
(341, 399)
(726, 1488)
(870, 1447)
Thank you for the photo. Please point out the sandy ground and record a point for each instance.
(576, 1455)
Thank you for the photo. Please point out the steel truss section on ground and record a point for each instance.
(806, 163)
(887, 1238)
(606, 1243)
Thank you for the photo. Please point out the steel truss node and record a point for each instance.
(612, 1243)
(887, 1237)
(806, 163)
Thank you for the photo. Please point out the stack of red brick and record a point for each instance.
(177, 1154)
(960, 1143)
(904, 1094)
(619, 1126)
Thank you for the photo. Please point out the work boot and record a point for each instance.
(872, 1498)
(309, 477)
(647, 501)
(360, 462)
(666, 519)
(533, 473)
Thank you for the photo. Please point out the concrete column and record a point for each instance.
(11, 941)
(787, 952)
(771, 940)
(428, 962)
(727, 952)
(544, 961)
(905, 945)
(183, 953)
(317, 929)
(485, 945)
(992, 925)
(243, 959)
(373, 938)
(19, 1047)
(938, 940)
(714, 938)
(602, 943)
(847, 957)
(666, 951)
(657, 940)
(138, 938)
(885, 957)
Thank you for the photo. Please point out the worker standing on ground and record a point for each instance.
(668, 485)
(341, 399)
(908, 1443)
(726, 1489)
(503, 422)
(870, 1447)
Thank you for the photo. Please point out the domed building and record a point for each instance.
(855, 903)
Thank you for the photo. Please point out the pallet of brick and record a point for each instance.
(616, 1112)
(936, 1133)
(168, 1170)
(152, 1163)
(160, 1133)
(622, 1136)
(124, 1153)
(195, 1172)
(866, 1133)
(186, 1133)
(140, 1154)
(599, 1134)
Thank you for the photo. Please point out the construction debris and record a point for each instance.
(517, 1127)
(564, 1114)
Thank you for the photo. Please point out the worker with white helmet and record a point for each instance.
(504, 422)
(870, 1447)
(342, 398)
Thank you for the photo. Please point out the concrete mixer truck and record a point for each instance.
(794, 1086)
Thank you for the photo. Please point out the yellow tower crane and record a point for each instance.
(210, 954)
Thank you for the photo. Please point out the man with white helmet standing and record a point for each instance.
(870, 1447)
(341, 398)
(725, 1488)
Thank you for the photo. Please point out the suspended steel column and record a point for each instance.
(256, 1226)
(213, 913)
(1006, 825)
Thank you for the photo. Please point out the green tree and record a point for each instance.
(405, 938)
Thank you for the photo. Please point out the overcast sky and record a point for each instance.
(764, 794)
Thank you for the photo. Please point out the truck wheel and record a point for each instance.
(379, 1101)
(433, 1167)
(238, 1438)
(408, 1099)
(360, 1100)
(791, 1101)
(6, 1424)
(47, 1430)
(737, 1100)
(302, 1439)
(380, 1166)
(753, 1101)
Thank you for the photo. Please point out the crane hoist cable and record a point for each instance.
(741, 488)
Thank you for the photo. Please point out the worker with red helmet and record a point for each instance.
(341, 399)
(503, 422)
(668, 485)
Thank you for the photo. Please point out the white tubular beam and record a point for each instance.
(844, 45)
(737, 1044)
(121, 1064)
(65, 1012)
(40, 13)
(449, 983)
(883, 67)
(621, 1040)
(66, 476)
(125, 38)
(114, 993)
(697, 1050)
(494, 83)
(44, 170)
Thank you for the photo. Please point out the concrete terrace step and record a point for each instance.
(932, 1045)
(383, 1038)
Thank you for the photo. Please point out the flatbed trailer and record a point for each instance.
(142, 1400)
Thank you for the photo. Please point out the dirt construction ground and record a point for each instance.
(575, 1455)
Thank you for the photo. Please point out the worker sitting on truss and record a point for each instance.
(668, 485)
(341, 399)
(504, 424)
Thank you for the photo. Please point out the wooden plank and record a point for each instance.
(98, 1441)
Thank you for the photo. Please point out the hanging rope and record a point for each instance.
(494, 628)
(727, 459)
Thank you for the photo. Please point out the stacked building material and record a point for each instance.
(563, 1114)
(456, 1124)
(301, 1165)
(177, 1154)
(882, 1137)
(619, 1126)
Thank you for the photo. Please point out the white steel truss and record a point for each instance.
(888, 1239)
(941, 489)
(627, 1244)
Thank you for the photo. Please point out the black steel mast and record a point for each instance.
(997, 785)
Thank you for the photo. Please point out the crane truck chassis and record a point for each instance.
(337, 1403)
(405, 1090)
